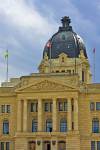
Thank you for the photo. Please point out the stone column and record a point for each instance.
(69, 118)
(40, 115)
(54, 115)
(25, 116)
(19, 116)
(75, 114)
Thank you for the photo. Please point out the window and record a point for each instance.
(98, 145)
(63, 125)
(5, 127)
(48, 125)
(7, 146)
(93, 147)
(5, 108)
(34, 125)
(48, 107)
(62, 106)
(34, 107)
(95, 125)
(92, 106)
(65, 106)
(8, 108)
(97, 105)
(2, 146)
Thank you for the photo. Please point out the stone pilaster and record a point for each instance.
(69, 116)
(25, 116)
(19, 116)
(39, 144)
(54, 115)
(54, 144)
(75, 114)
(40, 115)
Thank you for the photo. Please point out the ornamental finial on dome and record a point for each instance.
(66, 21)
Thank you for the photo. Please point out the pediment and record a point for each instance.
(45, 85)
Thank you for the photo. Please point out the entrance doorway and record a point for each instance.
(48, 146)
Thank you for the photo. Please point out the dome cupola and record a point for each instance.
(65, 41)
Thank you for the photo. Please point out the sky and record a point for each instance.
(26, 26)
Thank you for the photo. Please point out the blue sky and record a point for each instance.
(26, 25)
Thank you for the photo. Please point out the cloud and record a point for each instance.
(23, 31)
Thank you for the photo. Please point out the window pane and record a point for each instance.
(93, 145)
(92, 106)
(51, 107)
(98, 145)
(3, 108)
(8, 108)
(65, 106)
(63, 126)
(49, 126)
(33, 107)
(46, 107)
(97, 105)
(2, 145)
(95, 126)
(5, 127)
(34, 126)
(7, 146)
(60, 106)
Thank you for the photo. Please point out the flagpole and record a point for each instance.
(7, 67)
(94, 63)
(50, 58)
(6, 57)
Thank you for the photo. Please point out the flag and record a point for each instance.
(94, 50)
(6, 54)
(49, 44)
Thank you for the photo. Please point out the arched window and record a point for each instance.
(34, 125)
(5, 127)
(48, 125)
(63, 125)
(95, 125)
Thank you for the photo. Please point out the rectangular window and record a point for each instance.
(92, 106)
(51, 107)
(65, 106)
(2, 146)
(93, 145)
(34, 107)
(5, 127)
(46, 107)
(7, 146)
(97, 105)
(98, 145)
(8, 108)
(60, 106)
(2, 108)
